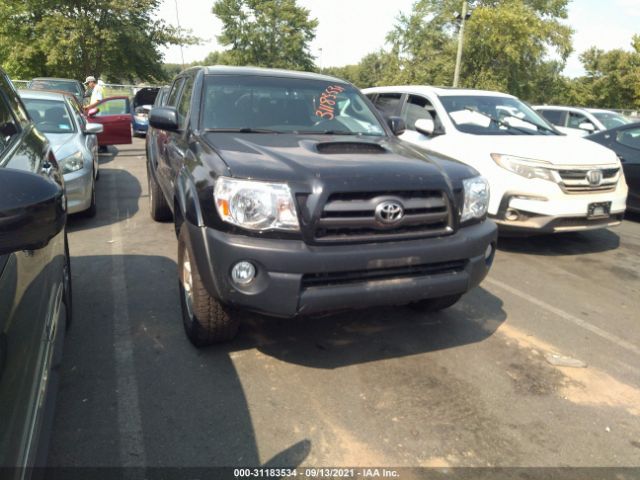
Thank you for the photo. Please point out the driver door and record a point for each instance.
(114, 113)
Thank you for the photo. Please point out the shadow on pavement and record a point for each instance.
(559, 244)
(192, 405)
(127, 190)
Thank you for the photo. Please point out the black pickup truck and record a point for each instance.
(291, 195)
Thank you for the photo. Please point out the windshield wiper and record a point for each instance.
(502, 123)
(331, 132)
(242, 130)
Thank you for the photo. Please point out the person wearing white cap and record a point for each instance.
(96, 92)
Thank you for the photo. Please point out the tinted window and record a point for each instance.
(8, 126)
(575, 119)
(50, 116)
(629, 137)
(286, 105)
(388, 103)
(172, 99)
(117, 106)
(185, 102)
(557, 117)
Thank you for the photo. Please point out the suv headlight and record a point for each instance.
(476, 198)
(525, 167)
(256, 205)
(72, 163)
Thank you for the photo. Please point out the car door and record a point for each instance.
(177, 145)
(164, 138)
(388, 103)
(558, 118)
(628, 148)
(114, 113)
(574, 120)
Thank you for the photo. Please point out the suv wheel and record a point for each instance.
(158, 206)
(206, 321)
(435, 304)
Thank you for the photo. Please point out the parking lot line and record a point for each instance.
(132, 452)
(566, 316)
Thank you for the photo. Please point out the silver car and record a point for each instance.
(74, 143)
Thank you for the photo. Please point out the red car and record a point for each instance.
(114, 113)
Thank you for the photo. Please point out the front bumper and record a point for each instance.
(78, 187)
(295, 278)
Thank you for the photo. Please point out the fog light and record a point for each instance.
(243, 273)
(512, 215)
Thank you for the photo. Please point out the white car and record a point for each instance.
(540, 180)
(581, 121)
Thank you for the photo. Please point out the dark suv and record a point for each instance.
(292, 196)
(35, 283)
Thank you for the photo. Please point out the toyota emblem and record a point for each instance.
(389, 212)
(594, 177)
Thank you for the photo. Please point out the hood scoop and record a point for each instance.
(349, 148)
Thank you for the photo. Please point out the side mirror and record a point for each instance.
(93, 128)
(425, 126)
(397, 125)
(32, 210)
(587, 127)
(93, 112)
(164, 118)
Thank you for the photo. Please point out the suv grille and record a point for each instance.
(351, 217)
(576, 181)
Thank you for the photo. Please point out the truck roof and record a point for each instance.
(266, 72)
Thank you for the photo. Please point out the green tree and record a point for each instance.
(115, 39)
(506, 44)
(266, 33)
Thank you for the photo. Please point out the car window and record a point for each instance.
(172, 99)
(54, 85)
(576, 119)
(286, 105)
(8, 126)
(185, 101)
(116, 106)
(418, 108)
(629, 137)
(611, 120)
(388, 103)
(77, 113)
(50, 116)
(557, 117)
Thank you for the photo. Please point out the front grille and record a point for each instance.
(575, 180)
(409, 271)
(350, 217)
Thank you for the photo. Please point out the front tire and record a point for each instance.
(93, 209)
(433, 305)
(206, 321)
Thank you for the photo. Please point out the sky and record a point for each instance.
(350, 29)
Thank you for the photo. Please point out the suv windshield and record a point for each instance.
(50, 116)
(610, 120)
(487, 115)
(256, 104)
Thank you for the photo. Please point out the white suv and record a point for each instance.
(540, 180)
(581, 121)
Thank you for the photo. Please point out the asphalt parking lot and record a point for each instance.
(482, 384)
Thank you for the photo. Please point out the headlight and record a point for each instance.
(256, 205)
(72, 163)
(476, 198)
(524, 167)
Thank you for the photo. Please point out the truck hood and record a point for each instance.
(556, 149)
(345, 162)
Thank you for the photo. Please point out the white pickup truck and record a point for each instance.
(541, 180)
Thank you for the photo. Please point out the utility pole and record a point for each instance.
(463, 18)
(179, 32)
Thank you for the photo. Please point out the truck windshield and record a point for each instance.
(255, 104)
(488, 115)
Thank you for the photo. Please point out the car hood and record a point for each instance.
(556, 149)
(342, 162)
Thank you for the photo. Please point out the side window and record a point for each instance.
(418, 108)
(556, 117)
(185, 102)
(388, 103)
(172, 99)
(629, 137)
(8, 126)
(575, 119)
(116, 106)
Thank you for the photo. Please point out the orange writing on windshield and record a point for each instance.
(326, 109)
